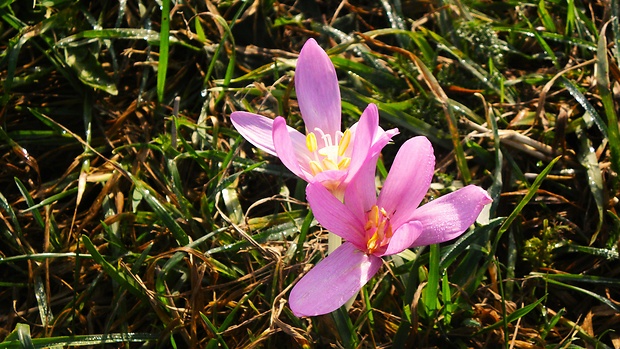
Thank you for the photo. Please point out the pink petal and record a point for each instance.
(333, 281)
(258, 130)
(330, 176)
(403, 238)
(361, 192)
(408, 180)
(449, 216)
(334, 215)
(288, 153)
(364, 131)
(255, 128)
(318, 93)
(382, 138)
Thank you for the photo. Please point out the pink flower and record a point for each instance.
(375, 227)
(325, 154)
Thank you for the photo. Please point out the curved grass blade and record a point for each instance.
(530, 194)
(517, 314)
(88, 68)
(12, 235)
(163, 212)
(21, 337)
(594, 295)
(345, 328)
(36, 214)
(465, 241)
(591, 279)
(126, 282)
(583, 101)
(52, 199)
(218, 338)
(549, 36)
(227, 34)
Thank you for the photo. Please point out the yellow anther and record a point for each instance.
(372, 244)
(381, 229)
(344, 142)
(329, 165)
(383, 212)
(344, 163)
(378, 229)
(373, 215)
(315, 168)
(311, 142)
(389, 233)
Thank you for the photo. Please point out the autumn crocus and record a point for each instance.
(374, 227)
(325, 153)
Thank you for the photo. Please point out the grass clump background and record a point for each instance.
(133, 215)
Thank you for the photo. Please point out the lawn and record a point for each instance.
(133, 213)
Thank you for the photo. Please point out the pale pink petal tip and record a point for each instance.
(316, 86)
(255, 128)
(449, 216)
(333, 281)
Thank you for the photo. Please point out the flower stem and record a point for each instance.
(333, 241)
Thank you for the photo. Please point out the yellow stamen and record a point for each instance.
(378, 229)
(372, 243)
(381, 229)
(344, 163)
(329, 165)
(373, 215)
(344, 142)
(311, 142)
(315, 168)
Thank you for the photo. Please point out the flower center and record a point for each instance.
(332, 155)
(378, 229)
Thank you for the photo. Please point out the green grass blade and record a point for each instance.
(587, 157)
(517, 314)
(594, 295)
(602, 78)
(164, 43)
(218, 338)
(430, 293)
(583, 101)
(530, 194)
(163, 212)
(30, 202)
(345, 328)
(51, 199)
(126, 282)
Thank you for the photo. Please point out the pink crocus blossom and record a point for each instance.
(374, 227)
(324, 154)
